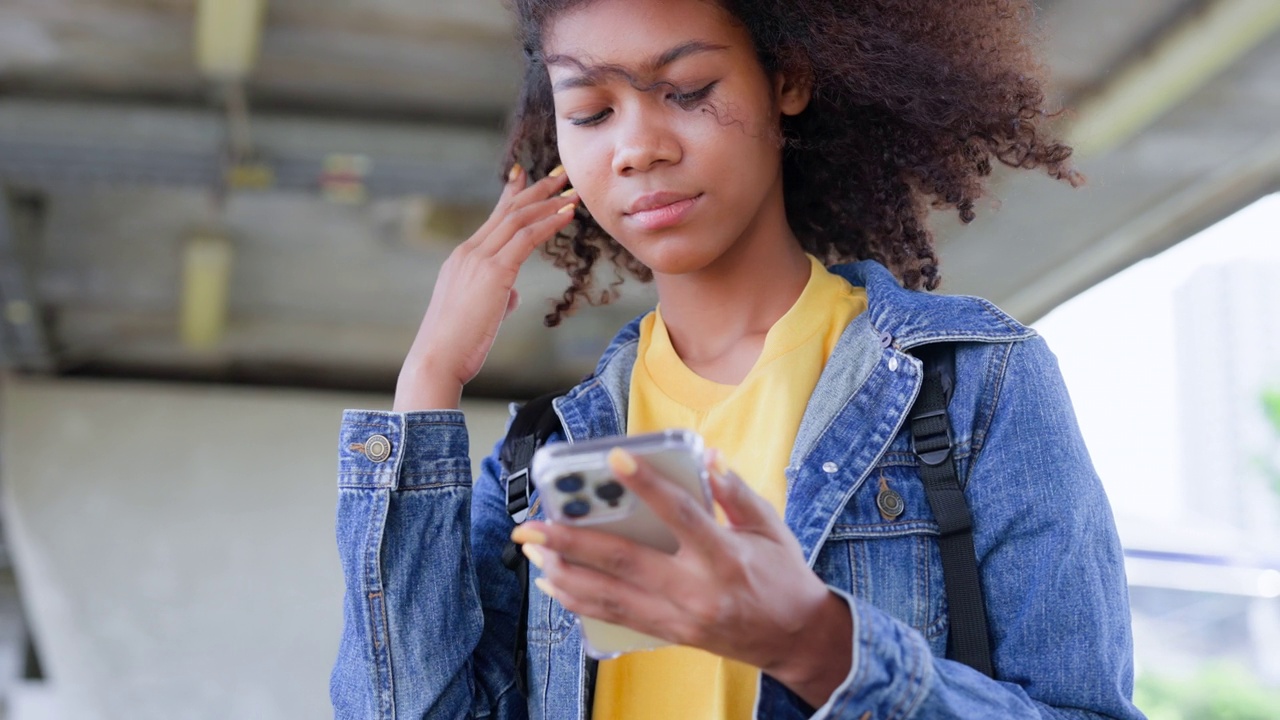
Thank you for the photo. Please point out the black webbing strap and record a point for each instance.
(968, 641)
(533, 424)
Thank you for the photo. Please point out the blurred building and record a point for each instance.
(1227, 325)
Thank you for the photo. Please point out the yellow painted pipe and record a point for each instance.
(206, 283)
(228, 34)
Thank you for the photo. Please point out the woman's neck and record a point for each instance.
(718, 317)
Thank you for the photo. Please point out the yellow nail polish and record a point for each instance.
(569, 193)
(566, 209)
(557, 171)
(528, 536)
(513, 173)
(622, 462)
(547, 588)
(533, 553)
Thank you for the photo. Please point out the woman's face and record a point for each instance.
(668, 127)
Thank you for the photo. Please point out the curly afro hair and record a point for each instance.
(911, 100)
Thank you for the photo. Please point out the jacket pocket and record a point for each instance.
(890, 561)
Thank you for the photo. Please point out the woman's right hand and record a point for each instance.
(475, 291)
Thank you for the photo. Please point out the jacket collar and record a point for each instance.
(914, 318)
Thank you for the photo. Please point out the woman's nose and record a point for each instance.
(644, 141)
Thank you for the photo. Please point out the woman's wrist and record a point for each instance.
(420, 388)
(821, 655)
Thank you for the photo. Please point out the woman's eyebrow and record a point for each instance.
(590, 75)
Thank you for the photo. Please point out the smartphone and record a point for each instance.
(577, 488)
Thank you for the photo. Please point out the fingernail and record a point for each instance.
(528, 536)
(533, 553)
(566, 209)
(547, 588)
(557, 171)
(569, 193)
(720, 465)
(621, 462)
(513, 173)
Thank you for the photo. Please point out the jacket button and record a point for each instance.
(829, 467)
(888, 502)
(893, 364)
(377, 448)
(885, 339)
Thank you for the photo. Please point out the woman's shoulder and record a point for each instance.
(913, 317)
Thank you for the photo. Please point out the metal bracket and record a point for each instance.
(24, 340)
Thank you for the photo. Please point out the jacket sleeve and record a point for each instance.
(429, 612)
(1052, 573)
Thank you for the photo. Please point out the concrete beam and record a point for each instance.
(49, 144)
(1179, 215)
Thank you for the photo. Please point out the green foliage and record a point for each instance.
(1220, 691)
(1271, 407)
(1271, 411)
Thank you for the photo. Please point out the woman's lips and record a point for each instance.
(662, 216)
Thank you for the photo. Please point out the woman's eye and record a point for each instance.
(689, 99)
(590, 120)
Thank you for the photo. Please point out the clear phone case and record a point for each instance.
(577, 488)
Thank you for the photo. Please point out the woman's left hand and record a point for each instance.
(741, 590)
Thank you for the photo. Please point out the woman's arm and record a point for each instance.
(1052, 573)
(427, 624)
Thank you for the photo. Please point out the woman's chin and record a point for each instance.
(672, 254)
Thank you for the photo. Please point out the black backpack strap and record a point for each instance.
(533, 424)
(968, 641)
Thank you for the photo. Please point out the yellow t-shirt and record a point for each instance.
(754, 424)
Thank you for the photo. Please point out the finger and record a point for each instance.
(526, 239)
(543, 189)
(516, 219)
(743, 507)
(517, 179)
(601, 552)
(517, 194)
(592, 594)
(692, 523)
(513, 302)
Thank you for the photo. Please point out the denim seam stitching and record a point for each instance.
(984, 414)
(904, 700)
(926, 670)
(885, 530)
(923, 598)
(997, 388)
(374, 587)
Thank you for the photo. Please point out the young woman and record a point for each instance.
(735, 154)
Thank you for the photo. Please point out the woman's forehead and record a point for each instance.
(586, 72)
(638, 35)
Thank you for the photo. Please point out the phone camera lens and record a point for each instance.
(610, 492)
(576, 508)
(569, 483)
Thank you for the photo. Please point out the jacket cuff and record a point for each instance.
(890, 672)
(403, 451)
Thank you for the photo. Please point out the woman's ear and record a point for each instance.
(792, 92)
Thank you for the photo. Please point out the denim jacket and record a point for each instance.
(430, 612)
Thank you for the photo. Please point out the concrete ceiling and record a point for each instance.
(113, 147)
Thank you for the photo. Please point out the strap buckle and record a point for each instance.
(518, 495)
(927, 447)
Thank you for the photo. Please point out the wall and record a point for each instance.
(174, 544)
